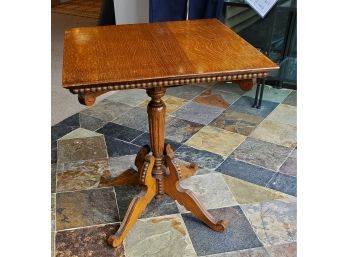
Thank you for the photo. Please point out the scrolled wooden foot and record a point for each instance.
(186, 198)
(138, 204)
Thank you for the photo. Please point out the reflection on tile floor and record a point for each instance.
(248, 174)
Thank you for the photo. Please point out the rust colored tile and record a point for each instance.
(216, 98)
(87, 242)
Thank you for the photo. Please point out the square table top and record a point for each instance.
(164, 53)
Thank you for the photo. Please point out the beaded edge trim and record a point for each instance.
(172, 82)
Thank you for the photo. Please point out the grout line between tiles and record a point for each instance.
(89, 226)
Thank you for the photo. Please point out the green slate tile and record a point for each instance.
(106, 110)
(130, 97)
(90, 122)
(161, 236)
(285, 114)
(282, 250)
(276, 133)
(291, 99)
(245, 192)
(258, 152)
(135, 118)
(210, 189)
(271, 94)
(87, 242)
(274, 222)
(85, 208)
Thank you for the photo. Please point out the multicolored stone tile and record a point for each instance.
(294, 153)
(282, 250)
(253, 252)
(245, 192)
(162, 236)
(180, 130)
(53, 177)
(119, 164)
(85, 208)
(291, 99)
(274, 222)
(144, 139)
(107, 110)
(53, 245)
(246, 171)
(157, 207)
(87, 242)
(77, 149)
(203, 158)
(284, 183)
(186, 92)
(53, 152)
(239, 234)
(53, 212)
(120, 132)
(79, 175)
(90, 122)
(80, 133)
(271, 94)
(289, 167)
(285, 114)
(237, 122)
(198, 113)
(65, 126)
(244, 104)
(261, 153)
(216, 98)
(210, 189)
(216, 140)
(130, 97)
(229, 87)
(135, 118)
(117, 147)
(277, 133)
(172, 103)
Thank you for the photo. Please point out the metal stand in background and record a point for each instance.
(259, 94)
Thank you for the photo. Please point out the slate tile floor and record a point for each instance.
(247, 160)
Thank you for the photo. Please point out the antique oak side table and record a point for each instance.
(153, 57)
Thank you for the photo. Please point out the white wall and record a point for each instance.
(131, 11)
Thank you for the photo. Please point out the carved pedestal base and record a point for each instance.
(173, 174)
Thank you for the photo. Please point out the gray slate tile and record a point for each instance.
(244, 104)
(239, 235)
(204, 159)
(245, 171)
(199, 113)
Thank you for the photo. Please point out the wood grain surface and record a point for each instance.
(157, 52)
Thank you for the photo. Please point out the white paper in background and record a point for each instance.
(262, 7)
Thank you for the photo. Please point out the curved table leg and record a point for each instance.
(138, 204)
(187, 198)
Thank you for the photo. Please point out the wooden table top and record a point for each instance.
(158, 54)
